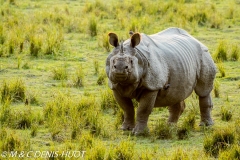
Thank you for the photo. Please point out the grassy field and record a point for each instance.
(53, 87)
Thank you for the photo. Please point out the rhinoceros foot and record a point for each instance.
(127, 126)
(140, 130)
(206, 122)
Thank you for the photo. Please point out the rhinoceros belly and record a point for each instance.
(173, 95)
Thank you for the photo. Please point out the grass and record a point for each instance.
(219, 140)
(221, 69)
(162, 130)
(54, 59)
(235, 52)
(60, 73)
(78, 80)
(216, 88)
(13, 91)
(221, 53)
(226, 113)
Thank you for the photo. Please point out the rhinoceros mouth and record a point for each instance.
(120, 77)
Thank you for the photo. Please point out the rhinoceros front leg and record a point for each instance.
(128, 109)
(205, 104)
(175, 112)
(146, 104)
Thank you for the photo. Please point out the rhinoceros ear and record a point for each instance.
(135, 39)
(113, 39)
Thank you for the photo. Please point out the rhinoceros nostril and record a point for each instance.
(115, 66)
(126, 67)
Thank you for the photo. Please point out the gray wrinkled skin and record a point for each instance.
(159, 70)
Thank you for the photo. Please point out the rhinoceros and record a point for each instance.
(159, 70)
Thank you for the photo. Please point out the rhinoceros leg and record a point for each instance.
(128, 109)
(146, 105)
(175, 112)
(205, 109)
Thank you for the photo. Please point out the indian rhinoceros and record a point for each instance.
(159, 70)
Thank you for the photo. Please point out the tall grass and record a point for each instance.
(98, 151)
(232, 153)
(64, 112)
(11, 141)
(235, 52)
(180, 154)
(221, 52)
(123, 150)
(35, 46)
(221, 69)
(34, 38)
(92, 27)
(162, 130)
(103, 42)
(187, 125)
(102, 78)
(96, 66)
(108, 101)
(18, 119)
(216, 88)
(13, 91)
(78, 79)
(221, 139)
(226, 113)
(60, 73)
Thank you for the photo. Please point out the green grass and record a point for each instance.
(57, 51)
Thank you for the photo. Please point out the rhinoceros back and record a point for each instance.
(175, 58)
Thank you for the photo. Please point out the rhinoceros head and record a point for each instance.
(123, 64)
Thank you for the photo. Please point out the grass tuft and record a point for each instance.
(11, 141)
(34, 129)
(86, 141)
(187, 125)
(13, 91)
(221, 52)
(235, 52)
(162, 130)
(221, 139)
(60, 73)
(106, 44)
(96, 66)
(124, 150)
(92, 26)
(119, 119)
(216, 88)
(78, 80)
(226, 113)
(221, 69)
(101, 78)
(97, 152)
(108, 101)
(232, 153)
(180, 154)
(35, 46)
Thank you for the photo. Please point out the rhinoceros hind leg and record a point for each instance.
(175, 112)
(205, 104)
